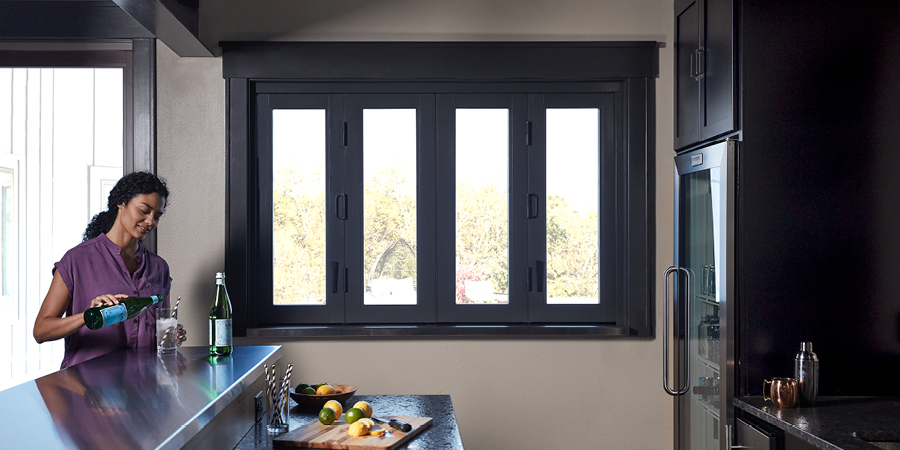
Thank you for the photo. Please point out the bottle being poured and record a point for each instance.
(107, 314)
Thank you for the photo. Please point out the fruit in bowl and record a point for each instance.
(313, 397)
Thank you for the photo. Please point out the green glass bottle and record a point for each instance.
(106, 315)
(220, 320)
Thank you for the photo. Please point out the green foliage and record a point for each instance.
(572, 251)
(482, 237)
(299, 237)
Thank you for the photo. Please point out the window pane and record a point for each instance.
(299, 203)
(389, 174)
(60, 140)
(482, 206)
(573, 183)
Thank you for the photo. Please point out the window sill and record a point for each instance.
(554, 330)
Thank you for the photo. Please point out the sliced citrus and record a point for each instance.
(357, 429)
(378, 432)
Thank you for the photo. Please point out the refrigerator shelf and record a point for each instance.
(708, 299)
(711, 408)
(707, 363)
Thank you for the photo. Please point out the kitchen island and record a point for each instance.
(834, 423)
(442, 434)
(135, 399)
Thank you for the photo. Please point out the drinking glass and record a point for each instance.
(166, 330)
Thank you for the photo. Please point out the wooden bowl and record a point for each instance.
(307, 402)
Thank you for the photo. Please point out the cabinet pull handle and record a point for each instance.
(728, 442)
(701, 62)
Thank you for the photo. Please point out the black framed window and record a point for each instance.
(451, 204)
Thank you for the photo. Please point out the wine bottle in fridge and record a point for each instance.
(220, 320)
(106, 315)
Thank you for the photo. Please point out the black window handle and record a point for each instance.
(334, 276)
(340, 206)
(540, 269)
(532, 207)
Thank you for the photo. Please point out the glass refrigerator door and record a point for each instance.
(703, 215)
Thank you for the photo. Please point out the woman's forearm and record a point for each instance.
(53, 328)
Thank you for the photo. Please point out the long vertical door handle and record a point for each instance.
(686, 363)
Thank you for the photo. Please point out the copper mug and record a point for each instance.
(784, 392)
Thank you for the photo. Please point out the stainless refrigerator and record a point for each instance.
(700, 302)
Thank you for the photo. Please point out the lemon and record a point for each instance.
(353, 414)
(336, 406)
(326, 416)
(378, 432)
(358, 429)
(365, 407)
(369, 423)
(325, 390)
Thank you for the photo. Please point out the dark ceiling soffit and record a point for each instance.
(67, 20)
(174, 22)
(439, 60)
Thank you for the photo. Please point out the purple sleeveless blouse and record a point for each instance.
(94, 268)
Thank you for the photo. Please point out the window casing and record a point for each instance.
(82, 94)
(620, 189)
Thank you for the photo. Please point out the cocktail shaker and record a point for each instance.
(806, 372)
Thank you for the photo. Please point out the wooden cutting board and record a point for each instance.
(316, 435)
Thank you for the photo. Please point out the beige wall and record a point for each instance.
(508, 393)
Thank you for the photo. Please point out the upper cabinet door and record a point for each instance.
(687, 89)
(704, 70)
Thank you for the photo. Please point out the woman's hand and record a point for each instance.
(107, 299)
(180, 335)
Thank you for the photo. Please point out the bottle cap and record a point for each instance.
(220, 275)
(806, 346)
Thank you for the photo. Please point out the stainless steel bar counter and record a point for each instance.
(134, 399)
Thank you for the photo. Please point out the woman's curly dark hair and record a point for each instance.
(126, 188)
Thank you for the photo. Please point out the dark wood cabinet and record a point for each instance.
(705, 84)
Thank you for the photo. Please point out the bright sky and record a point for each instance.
(482, 146)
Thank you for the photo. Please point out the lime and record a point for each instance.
(308, 391)
(353, 414)
(300, 387)
(326, 416)
(321, 384)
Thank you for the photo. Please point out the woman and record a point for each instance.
(110, 264)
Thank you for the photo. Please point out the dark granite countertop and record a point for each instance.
(834, 423)
(443, 432)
